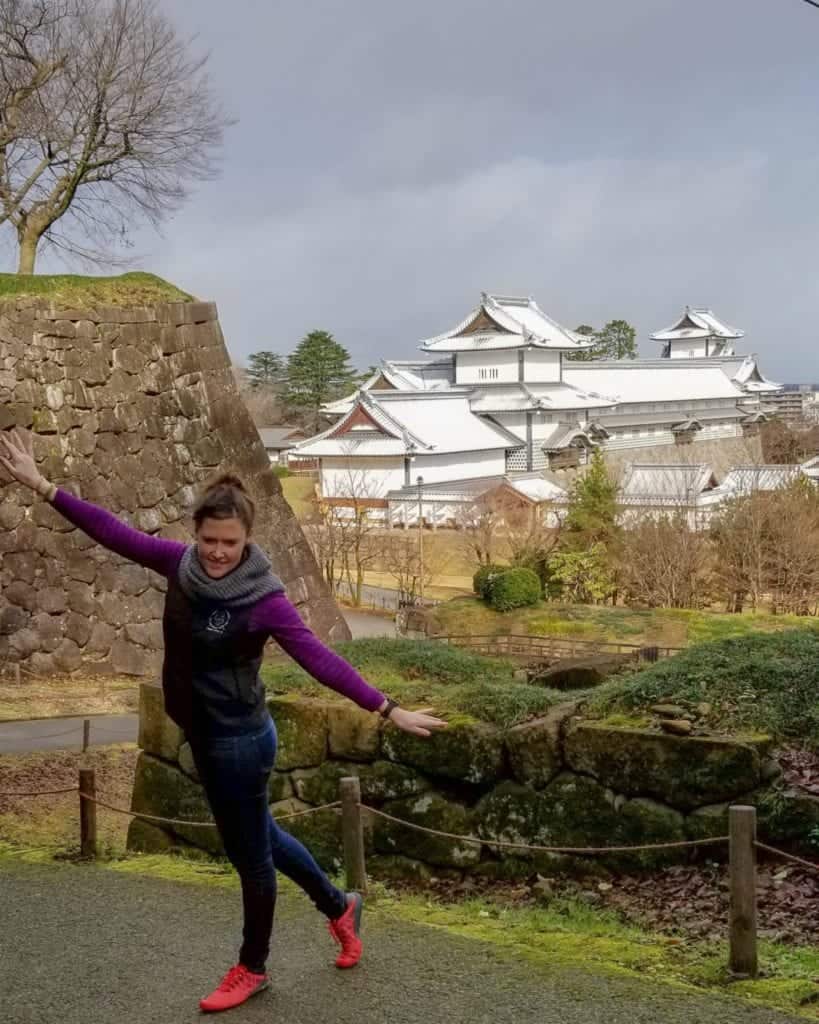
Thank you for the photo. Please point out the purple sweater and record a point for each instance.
(273, 615)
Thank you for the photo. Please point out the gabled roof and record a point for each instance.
(750, 378)
(566, 435)
(398, 423)
(685, 425)
(503, 322)
(406, 375)
(665, 484)
(280, 437)
(532, 486)
(742, 480)
(697, 323)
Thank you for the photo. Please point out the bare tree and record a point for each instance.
(105, 116)
(664, 563)
(402, 560)
(480, 522)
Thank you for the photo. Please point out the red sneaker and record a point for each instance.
(345, 930)
(238, 985)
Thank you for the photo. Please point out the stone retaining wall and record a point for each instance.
(558, 780)
(132, 409)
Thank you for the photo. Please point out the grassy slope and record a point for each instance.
(763, 683)
(75, 291)
(663, 626)
(456, 683)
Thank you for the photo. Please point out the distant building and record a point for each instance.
(790, 404)
(697, 333)
(279, 441)
(500, 397)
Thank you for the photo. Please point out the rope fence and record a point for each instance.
(742, 844)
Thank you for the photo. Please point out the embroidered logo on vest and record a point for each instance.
(219, 620)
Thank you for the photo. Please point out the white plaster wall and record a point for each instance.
(468, 366)
(541, 366)
(360, 477)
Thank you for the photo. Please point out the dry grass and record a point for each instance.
(52, 822)
(59, 696)
(77, 292)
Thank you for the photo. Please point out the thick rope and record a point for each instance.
(788, 856)
(547, 849)
(197, 824)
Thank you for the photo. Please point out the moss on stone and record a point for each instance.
(687, 772)
(431, 811)
(467, 751)
(302, 730)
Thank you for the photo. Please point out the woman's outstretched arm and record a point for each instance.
(16, 457)
(277, 616)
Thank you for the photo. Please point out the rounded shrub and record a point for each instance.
(483, 579)
(514, 588)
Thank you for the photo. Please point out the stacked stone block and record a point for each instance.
(555, 781)
(132, 409)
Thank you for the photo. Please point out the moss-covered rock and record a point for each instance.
(354, 734)
(535, 748)
(164, 790)
(432, 811)
(146, 838)
(279, 788)
(787, 815)
(380, 781)
(685, 771)
(302, 730)
(158, 735)
(708, 822)
(467, 751)
(575, 811)
(187, 763)
(397, 867)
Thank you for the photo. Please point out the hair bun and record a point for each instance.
(228, 480)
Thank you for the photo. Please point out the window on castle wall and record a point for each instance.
(488, 373)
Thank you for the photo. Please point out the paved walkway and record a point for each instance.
(66, 733)
(81, 944)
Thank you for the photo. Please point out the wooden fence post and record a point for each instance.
(352, 828)
(88, 814)
(86, 734)
(742, 829)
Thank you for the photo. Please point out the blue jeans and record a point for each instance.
(235, 771)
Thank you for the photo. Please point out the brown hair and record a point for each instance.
(225, 498)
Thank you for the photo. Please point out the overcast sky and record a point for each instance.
(391, 161)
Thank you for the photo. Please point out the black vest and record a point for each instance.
(210, 675)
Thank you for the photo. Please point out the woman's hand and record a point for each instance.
(17, 458)
(419, 723)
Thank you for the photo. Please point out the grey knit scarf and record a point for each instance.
(251, 580)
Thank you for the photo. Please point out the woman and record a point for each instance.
(222, 603)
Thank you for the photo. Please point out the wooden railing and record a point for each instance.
(551, 648)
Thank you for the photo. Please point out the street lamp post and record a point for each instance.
(420, 541)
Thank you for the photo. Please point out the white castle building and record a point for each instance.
(499, 401)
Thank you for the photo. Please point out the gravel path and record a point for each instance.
(82, 944)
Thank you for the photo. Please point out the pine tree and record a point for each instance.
(317, 372)
(264, 369)
(592, 512)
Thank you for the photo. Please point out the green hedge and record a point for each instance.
(514, 588)
(483, 579)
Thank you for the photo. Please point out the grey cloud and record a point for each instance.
(392, 160)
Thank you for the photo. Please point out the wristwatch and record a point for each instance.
(388, 709)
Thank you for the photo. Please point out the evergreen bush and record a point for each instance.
(514, 588)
